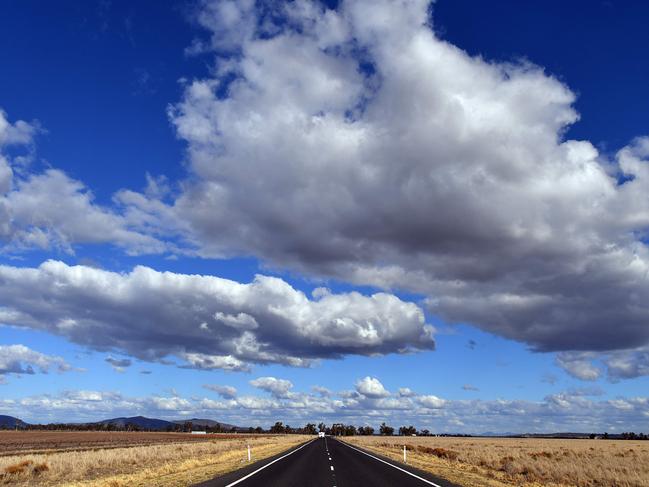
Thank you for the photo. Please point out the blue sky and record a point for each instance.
(212, 138)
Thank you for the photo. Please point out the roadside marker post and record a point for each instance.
(248, 453)
(405, 460)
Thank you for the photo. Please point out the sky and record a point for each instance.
(357, 211)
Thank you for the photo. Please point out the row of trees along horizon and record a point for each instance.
(336, 429)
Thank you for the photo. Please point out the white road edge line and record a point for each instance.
(268, 465)
(388, 463)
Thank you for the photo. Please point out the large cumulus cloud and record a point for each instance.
(207, 321)
(355, 143)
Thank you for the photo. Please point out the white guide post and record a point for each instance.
(405, 460)
(248, 452)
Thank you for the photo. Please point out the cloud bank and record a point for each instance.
(206, 320)
(570, 410)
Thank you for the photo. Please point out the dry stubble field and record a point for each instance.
(119, 459)
(498, 462)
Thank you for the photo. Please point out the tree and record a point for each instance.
(407, 430)
(133, 427)
(310, 429)
(365, 430)
(322, 427)
(386, 430)
(278, 427)
(216, 428)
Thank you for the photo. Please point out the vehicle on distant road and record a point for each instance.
(321, 434)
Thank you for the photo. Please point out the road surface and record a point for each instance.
(326, 462)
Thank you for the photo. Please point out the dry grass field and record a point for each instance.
(128, 459)
(12, 442)
(530, 462)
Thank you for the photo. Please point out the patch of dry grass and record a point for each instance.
(173, 464)
(522, 462)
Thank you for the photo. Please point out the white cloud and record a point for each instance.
(396, 159)
(628, 364)
(19, 359)
(557, 412)
(586, 391)
(226, 392)
(92, 396)
(118, 365)
(41, 206)
(48, 209)
(17, 133)
(431, 401)
(405, 392)
(149, 315)
(323, 391)
(203, 361)
(619, 364)
(579, 365)
(257, 403)
(277, 387)
(241, 321)
(178, 404)
(371, 387)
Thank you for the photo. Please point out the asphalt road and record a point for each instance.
(326, 462)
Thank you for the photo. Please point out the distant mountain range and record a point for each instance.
(9, 422)
(562, 435)
(154, 424)
(493, 433)
(162, 425)
(202, 423)
(140, 421)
